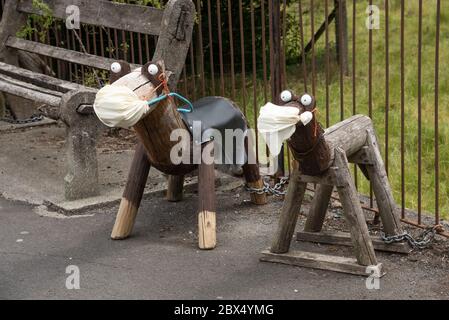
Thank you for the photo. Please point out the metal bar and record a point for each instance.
(211, 47)
(220, 49)
(387, 82)
(131, 49)
(101, 41)
(254, 65)
(201, 50)
(419, 111)
(312, 30)
(231, 49)
(370, 89)
(276, 72)
(67, 35)
(124, 46)
(326, 13)
(301, 36)
(58, 43)
(264, 57)
(436, 114)
(354, 64)
(242, 52)
(192, 66)
(283, 75)
(341, 61)
(147, 48)
(94, 36)
(402, 111)
(139, 48)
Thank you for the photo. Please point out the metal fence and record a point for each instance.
(376, 57)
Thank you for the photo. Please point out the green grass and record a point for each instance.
(295, 82)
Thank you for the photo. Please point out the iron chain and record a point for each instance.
(420, 242)
(32, 119)
(9, 118)
(276, 190)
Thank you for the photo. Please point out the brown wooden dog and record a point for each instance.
(154, 134)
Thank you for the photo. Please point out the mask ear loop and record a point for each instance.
(171, 95)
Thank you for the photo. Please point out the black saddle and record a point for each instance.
(216, 113)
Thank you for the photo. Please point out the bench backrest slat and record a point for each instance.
(135, 18)
(85, 59)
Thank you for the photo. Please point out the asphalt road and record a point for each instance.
(161, 260)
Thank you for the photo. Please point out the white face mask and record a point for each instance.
(119, 106)
(276, 124)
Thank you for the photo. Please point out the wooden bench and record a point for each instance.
(173, 26)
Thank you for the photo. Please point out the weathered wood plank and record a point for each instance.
(319, 261)
(175, 37)
(344, 239)
(109, 14)
(38, 79)
(85, 59)
(21, 91)
(30, 86)
(352, 211)
(289, 214)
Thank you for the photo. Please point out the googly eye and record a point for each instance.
(286, 96)
(116, 67)
(306, 100)
(153, 69)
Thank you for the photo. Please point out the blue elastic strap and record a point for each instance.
(176, 95)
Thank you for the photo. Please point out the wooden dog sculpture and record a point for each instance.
(154, 132)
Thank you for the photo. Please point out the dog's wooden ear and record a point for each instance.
(153, 71)
(117, 70)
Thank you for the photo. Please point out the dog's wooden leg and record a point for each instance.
(318, 208)
(289, 214)
(175, 188)
(207, 238)
(252, 176)
(132, 196)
